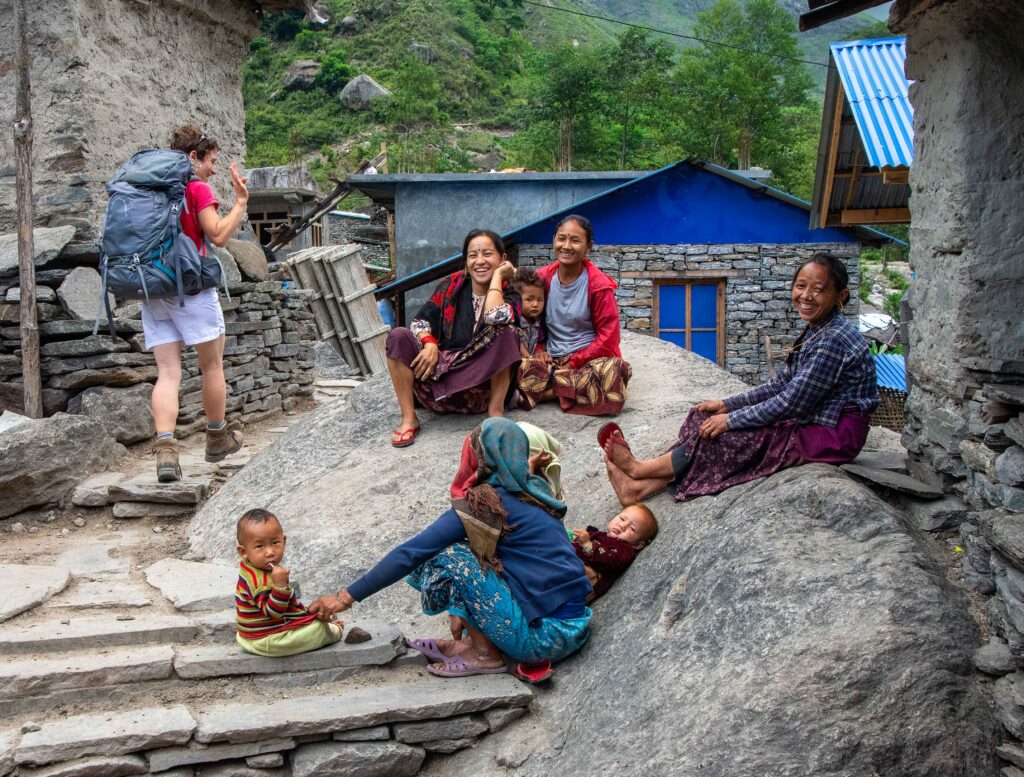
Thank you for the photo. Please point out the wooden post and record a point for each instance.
(33, 394)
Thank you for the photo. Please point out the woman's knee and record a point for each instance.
(401, 345)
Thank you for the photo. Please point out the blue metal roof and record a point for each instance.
(872, 72)
(892, 371)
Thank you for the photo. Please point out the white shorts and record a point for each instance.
(201, 320)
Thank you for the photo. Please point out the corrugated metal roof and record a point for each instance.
(872, 72)
(891, 369)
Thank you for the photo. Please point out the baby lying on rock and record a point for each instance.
(607, 554)
(270, 618)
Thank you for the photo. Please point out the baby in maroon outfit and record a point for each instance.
(607, 554)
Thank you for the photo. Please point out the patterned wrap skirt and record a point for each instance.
(740, 455)
(458, 385)
(454, 582)
(599, 387)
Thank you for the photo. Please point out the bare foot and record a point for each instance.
(452, 647)
(475, 660)
(621, 482)
(617, 451)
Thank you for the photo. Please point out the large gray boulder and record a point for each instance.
(301, 75)
(47, 243)
(124, 413)
(41, 460)
(360, 93)
(789, 626)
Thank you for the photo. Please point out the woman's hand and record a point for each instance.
(714, 426)
(543, 355)
(238, 184)
(326, 606)
(712, 407)
(506, 271)
(425, 361)
(538, 460)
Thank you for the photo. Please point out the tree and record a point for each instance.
(636, 81)
(741, 100)
(568, 94)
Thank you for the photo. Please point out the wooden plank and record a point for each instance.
(896, 176)
(852, 185)
(833, 153)
(831, 12)
(875, 216)
(32, 391)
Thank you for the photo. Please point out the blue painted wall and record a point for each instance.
(687, 204)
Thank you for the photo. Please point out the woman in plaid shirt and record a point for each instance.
(815, 409)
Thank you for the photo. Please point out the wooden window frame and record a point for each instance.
(719, 311)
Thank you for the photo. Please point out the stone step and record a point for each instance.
(361, 708)
(94, 633)
(25, 586)
(227, 660)
(184, 492)
(192, 586)
(118, 666)
(894, 481)
(115, 593)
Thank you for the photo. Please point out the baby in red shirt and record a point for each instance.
(607, 554)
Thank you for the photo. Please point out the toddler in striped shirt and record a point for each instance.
(270, 619)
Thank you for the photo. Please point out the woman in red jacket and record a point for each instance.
(582, 367)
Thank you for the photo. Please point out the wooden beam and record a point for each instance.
(840, 9)
(875, 216)
(852, 185)
(32, 382)
(896, 175)
(833, 153)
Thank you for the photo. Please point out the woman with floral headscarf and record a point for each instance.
(500, 560)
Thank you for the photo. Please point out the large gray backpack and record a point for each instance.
(145, 254)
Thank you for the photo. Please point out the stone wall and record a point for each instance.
(109, 78)
(757, 282)
(268, 360)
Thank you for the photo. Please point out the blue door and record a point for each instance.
(688, 315)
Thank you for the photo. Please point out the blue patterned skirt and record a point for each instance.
(454, 581)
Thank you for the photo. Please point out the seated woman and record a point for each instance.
(456, 355)
(815, 409)
(582, 367)
(516, 586)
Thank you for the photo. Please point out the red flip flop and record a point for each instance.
(533, 672)
(606, 433)
(400, 439)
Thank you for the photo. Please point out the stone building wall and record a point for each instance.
(268, 359)
(110, 78)
(757, 283)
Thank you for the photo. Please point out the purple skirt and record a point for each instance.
(741, 455)
(464, 388)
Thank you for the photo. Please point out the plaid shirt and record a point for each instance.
(831, 368)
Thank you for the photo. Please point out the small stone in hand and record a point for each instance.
(356, 635)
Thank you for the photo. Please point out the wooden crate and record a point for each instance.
(343, 304)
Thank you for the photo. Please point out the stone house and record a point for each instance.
(279, 196)
(704, 258)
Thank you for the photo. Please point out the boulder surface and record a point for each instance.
(790, 626)
(360, 93)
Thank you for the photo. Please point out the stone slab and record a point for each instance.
(92, 492)
(893, 480)
(80, 293)
(98, 766)
(994, 658)
(356, 759)
(500, 718)
(171, 757)
(94, 633)
(225, 660)
(372, 734)
(434, 730)
(92, 561)
(192, 586)
(1011, 752)
(105, 734)
(448, 745)
(891, 460)
(936, 514)
(47, 243)
(239, 769)
(43, 294)
(126, 510)
(360, 708)
(9, 420)
(103, 593)
(265, 761)
(6, 752)
(217, 624)
(149, 490)
(37, 676)
(26, 586)
(1006, 533)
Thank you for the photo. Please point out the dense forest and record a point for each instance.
(481, 84)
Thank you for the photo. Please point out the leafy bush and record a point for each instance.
(891, 305)
(311, 41)
(335, 71)
(871, 255)
(896, 280)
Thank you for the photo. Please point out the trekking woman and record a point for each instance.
(169, 327)
(815, 409)
(582, 367)
(499, 562)
(456, 355)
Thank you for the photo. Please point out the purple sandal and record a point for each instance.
(455, 666)
(428, 647)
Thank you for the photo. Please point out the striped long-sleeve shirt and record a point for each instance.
(830, 368)
(261, 609)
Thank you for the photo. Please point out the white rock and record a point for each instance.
(105, 734)
(80, 293)
(9, 419)
(192, 586)
(27, 586)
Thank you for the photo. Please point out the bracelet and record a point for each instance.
(502, 293)
(428, 339)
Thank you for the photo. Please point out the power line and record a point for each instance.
(672, 34)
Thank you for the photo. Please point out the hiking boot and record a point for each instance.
(167, 468)
(221, 443)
